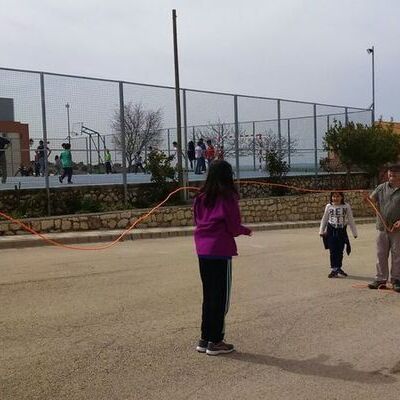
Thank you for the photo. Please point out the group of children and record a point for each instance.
(203, 154)
(218, 222)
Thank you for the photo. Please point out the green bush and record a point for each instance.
(277, 169)
(275, 164)
(163, 179)
(367, 147)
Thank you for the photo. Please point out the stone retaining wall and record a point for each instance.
(268, 209)
(66, 200)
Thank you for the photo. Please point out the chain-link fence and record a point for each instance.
(46, 111)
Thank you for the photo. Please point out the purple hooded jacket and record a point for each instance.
(217, 227)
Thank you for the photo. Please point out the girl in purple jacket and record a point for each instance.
(217, 219)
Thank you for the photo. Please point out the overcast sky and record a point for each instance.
(313, 50)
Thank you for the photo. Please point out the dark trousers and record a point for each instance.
(200, 165)
(336, 238)
(3, 166)
(67, 172)
(108, 167)
(336, 254)
(216, 276)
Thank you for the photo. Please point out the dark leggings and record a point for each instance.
(216, 276)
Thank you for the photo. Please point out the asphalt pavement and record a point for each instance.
(123, 323)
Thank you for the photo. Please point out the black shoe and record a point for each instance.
(377, 285)
(213, 349)
(341, 272)
(202, 346)
(396, 285)
(333, 274)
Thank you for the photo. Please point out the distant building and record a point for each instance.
(396, 125)
(18, 134)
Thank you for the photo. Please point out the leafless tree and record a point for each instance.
(222, 135)
(143, 128)
(268, 142)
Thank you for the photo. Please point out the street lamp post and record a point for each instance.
(372, 52)
(69, 130)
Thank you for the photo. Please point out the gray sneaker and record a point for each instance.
(202, 346)
(213, 349)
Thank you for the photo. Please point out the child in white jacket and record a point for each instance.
(333, 230)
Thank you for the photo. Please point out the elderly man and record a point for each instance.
(387, 198)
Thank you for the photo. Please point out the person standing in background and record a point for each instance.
(57, 165)
(199, 157)
(66, 162)
(42, 151)
(210, 153)
(191, 153)
(203, 156)
(107, 159)
(4, 143)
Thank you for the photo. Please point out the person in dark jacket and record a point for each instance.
(4, 143)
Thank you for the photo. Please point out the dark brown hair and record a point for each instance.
(341, 194)
(219, 182)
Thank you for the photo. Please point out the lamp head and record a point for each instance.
(370, 51)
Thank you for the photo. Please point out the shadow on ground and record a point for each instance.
(316, 367)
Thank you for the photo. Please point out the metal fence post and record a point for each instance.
(328, 123)
(346, 116)
(254, 146)
(98, 151)
(288, 141)
(123, 144)
(87, 151)
(184, 147)
(177, 102)
(278, 104)
(315, 140)
(236, 114)
(11, 156)
(168, 142)
(90, 154)
(44, 127)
